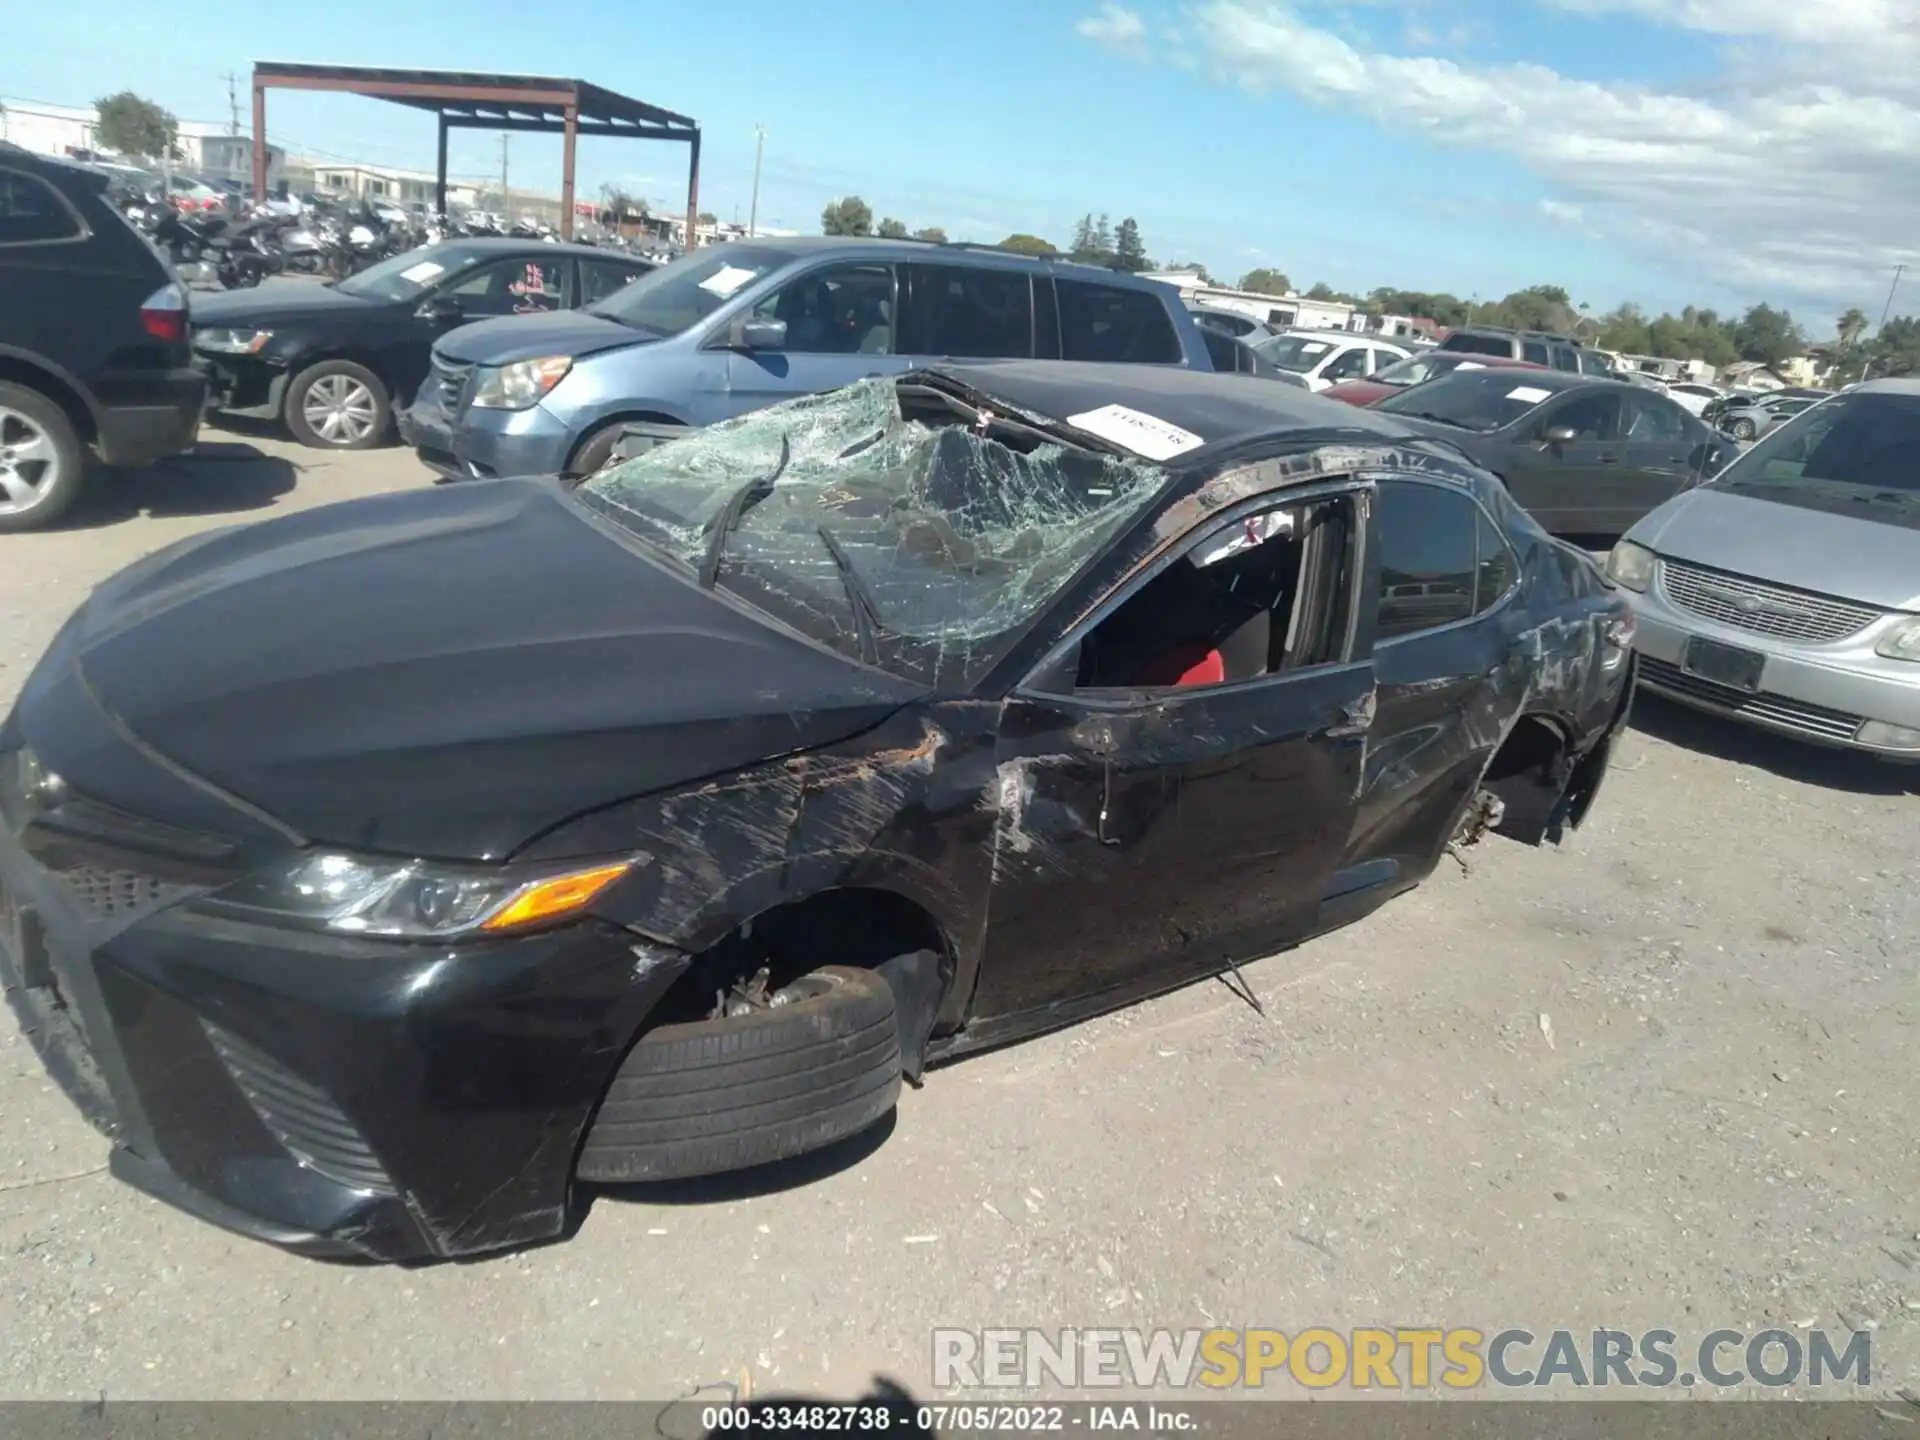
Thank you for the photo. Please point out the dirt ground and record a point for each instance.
(1663, 1077)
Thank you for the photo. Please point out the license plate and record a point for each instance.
(1727, 665)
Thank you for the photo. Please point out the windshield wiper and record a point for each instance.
(1429, 415)
(738, 503)
(866, 613)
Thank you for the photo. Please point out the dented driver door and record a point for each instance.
(1144, 837)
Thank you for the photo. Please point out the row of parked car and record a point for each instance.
(504, 356)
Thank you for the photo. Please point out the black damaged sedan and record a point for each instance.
(374, 874)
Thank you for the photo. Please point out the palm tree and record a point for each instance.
(1852, 325)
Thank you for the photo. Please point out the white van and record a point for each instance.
(1326, 357)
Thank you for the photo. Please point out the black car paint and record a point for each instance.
(1007, 814)
(311, 322)
(1581, 487)
(70, 325)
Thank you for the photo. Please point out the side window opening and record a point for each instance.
(1534, 351)
(1263, 595)
(32, 212)
(1566, 358)
(1495, 569)
(1108, 322)
(1429, 555)
(835, 310)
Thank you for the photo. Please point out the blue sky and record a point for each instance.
(1649, 149)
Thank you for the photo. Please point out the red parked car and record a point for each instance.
(1416, 368)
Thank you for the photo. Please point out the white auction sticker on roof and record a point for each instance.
(1140, 432)
(1314, 347)
(1469, 365)
(727, 279)
(423, 272)
(1532, 394)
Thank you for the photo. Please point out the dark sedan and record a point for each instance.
(333, 361)
(1584, 456)
(375, 873)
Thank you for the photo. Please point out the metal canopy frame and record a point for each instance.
(465, 101)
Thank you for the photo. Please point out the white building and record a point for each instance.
(71, 132)
(344, 180)
(1283, 312)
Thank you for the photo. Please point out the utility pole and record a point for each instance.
(506, 195)
(1885, 311)
(753, 210)
(233, 104)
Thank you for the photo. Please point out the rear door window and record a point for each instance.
(1109, 322)
(1479, 344)
(32, 212)
(1564, 358)
(1655, 420)
(1429, 558)
(1592, 363)
(1534, 352)
(966, 311)
(835, 310)
(601, 278)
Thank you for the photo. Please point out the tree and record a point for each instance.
(705, 217)
(849, 215)
(892, 229)
(136, 126)
(1896, 349)
(1851, 326)
(1129, 252)
(1023, 244)
(1768, 335)
(1266, 281)
(1320, 290)
(617, 206)
(1093, 241)
(933, 234)
(1190, 267)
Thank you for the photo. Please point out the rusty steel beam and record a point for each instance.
(693, 186)
(571, 134)
(259, 142)
(415, 90)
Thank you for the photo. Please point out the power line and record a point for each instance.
(233, 103)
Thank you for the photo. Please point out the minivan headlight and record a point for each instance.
(519, 385)
(1630, 566)
(412, 899)
(1902, 642)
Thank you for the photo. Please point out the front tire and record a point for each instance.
(338, 405)
(42, 462)
(715, 1095)
(1744, 430)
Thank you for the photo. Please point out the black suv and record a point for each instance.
(1537, 347)
(93, 340)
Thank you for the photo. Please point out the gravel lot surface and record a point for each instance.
(1663, 1077)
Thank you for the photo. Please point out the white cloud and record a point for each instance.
(1117, 28)
(1797, 174)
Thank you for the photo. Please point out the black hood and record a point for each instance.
(448, 672)
(276, 301)
(528, 337)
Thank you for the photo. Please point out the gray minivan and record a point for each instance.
(732, 328)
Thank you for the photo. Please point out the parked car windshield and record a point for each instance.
(954, 537)
(405, 276)
(684, 293)
(1472, 399)
(1855, 454)
(1297, 353)
(1420, 368)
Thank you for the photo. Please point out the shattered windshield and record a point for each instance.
(1854, 455)
(946, 537)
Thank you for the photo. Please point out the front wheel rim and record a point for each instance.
(339, 409)
(29, 462)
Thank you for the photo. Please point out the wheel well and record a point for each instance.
(859, 927)
(1528, 772)
(22, 372)
(636, 417)
(352, 357)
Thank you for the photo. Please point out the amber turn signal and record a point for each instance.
(557, 896)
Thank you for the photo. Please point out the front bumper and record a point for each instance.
(338, 1097)
(1838, 693)
(243, 385)
(144, 416)
(483, 444)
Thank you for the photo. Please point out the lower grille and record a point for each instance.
(103, 894)
(300, 1116)
(1815, 720)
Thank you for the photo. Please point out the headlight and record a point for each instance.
(1902, 642)
(519, 385)
(412, 900)
(1630, 566)
(231, 342)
